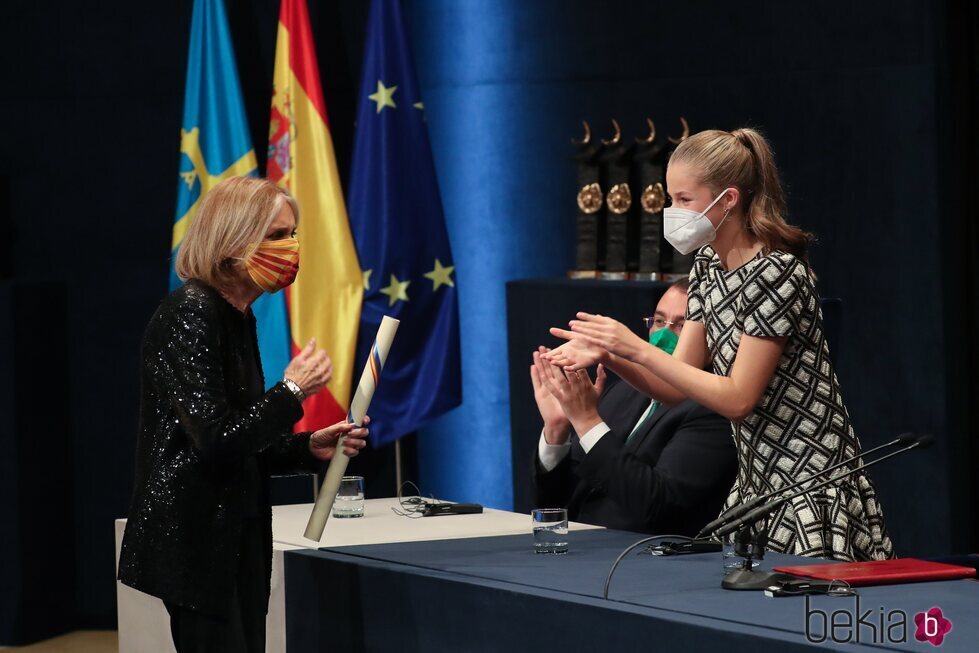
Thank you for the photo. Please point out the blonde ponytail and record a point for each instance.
(744, 159)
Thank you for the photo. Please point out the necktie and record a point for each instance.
(644, 420)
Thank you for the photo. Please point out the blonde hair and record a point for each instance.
(744, 159)
(232, 216)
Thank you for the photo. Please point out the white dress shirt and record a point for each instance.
(551, 455)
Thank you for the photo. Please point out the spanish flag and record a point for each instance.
(324, 303)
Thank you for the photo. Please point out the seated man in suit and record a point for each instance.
(636, 465)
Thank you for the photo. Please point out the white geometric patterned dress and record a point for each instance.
(800, 426)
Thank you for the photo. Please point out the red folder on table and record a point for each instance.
(882, 572)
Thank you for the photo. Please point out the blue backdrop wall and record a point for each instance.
(849, 100)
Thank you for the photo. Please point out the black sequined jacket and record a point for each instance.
(209, 437)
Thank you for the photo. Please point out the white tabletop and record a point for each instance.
(380, 525)
(145, 626)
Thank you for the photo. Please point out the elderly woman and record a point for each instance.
(199, 534)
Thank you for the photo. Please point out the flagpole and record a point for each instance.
(397, 466)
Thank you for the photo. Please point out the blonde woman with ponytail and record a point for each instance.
(754, 320)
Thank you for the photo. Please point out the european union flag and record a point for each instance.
(399, 230)
(215, 145)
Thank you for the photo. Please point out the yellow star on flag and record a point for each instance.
(367, 279)
(397, 290)
(384, 96)
(189, 178)
(441, 276)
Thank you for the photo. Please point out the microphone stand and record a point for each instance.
(750, 542)
(750, 545)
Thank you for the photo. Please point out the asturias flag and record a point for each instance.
(324, 303)
(215, 145)
(398, 226)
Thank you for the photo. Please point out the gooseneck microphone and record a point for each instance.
(757, 508)
(757, 513)
(738, 511)
(608, 579)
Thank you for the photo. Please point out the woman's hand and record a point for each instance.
(311, 370)
(575, 392)
(556, 425)
(608, 334)
(323, 443)
(576, 354)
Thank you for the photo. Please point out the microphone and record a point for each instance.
(741, 509)
(757, 513)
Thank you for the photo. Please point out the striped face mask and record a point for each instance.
(273, 264)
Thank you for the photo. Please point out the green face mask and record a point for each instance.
(665, 339)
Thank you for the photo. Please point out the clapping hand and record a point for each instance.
(556, 424)
(576, 354)
(574, 391)
(592, 333)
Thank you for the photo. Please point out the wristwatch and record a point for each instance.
(296, 390)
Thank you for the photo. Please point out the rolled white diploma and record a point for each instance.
(358, 409)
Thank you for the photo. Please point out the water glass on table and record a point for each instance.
(550, 530)
(350, 498)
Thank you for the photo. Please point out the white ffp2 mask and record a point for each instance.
(689, 230)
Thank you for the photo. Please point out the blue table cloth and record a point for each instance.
(495, 593)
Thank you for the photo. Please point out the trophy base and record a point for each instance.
(613, 276)
(648, 276)
(673, 277)
(665, 277)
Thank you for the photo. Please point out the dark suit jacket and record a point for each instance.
(672, 477)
